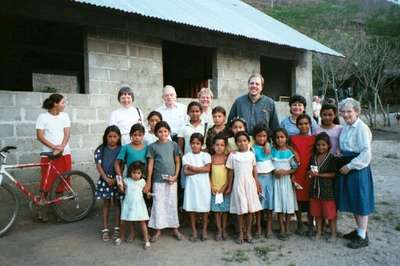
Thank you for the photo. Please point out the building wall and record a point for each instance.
(114, 58)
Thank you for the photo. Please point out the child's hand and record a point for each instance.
(146, 188)
(214, 191)
(279, 173)
(259, 190)
(228, 191)
(344, 170)
(172, 179)
(267, 149)
(297, 185)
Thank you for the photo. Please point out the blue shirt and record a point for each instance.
(357, 138)
(292, 129)
(260, 112)
(106, 158)
(128, 154)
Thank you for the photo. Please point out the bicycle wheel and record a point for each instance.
(75, 193)
(9, 207)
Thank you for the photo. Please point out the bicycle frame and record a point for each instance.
(36, 200)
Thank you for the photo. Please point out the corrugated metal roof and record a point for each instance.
(227, 16)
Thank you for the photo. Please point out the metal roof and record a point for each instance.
(226, 16)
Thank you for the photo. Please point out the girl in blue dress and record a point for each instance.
(104, 157)
(133, 206)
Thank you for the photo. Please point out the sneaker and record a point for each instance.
(358, 242)
(351, 236)
(147, 245)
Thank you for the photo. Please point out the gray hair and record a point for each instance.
(168, 87)
(205, 91)
(352, 103)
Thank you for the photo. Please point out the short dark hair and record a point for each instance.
(218, 137)
(197, 136)
(328, 106)
(194, 103)
(282, 130)
(303, 116)
(136, 165)
(49, 102)
(160, 125)
(154, 113)
(218, 109)
(298, 99)
(241, 133)
(109, 129)
(236, 119)
(137, 127)
(260, 128)
(125, 89)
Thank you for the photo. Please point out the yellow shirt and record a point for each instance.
(219, 176)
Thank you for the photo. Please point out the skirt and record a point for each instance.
(267, 190)
(104, 191)
(355, 191)
(222, 207)
(62, 164)
(197, 193)
(164, 212)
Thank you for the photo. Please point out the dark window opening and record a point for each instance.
(188, 68)
(277, 75)
(41, 56)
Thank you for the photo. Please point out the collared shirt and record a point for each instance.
(357, 138)
(206, 117)
(292, 129)
(175, 116)
(262, 111)
(187, 131)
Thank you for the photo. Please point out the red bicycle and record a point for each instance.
(74, 203)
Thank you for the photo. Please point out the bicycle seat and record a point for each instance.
(7, 148)
(50, 155)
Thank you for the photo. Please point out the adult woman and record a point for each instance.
(355, 189)
(205, 97)
(126, 116)
(297, 104)
(53, 131)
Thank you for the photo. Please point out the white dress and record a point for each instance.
(133, 207)
(197, 197)
(244, 196)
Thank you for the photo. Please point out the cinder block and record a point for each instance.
(97, 74)
(26, 130)
(6, 130)
(10, 114)
(75, 141)
(79, 128)
(28, 158)
(102, 100)
(82, 155)
(29, 98)
(84, 114)
(119, 75)
(31, 114)
(24, 145)
(146, 52)
(103, 114)
(91, 141)
(109, 62)
(117, 48)
(98, 128)
(7, 99)
(104, 87)
(94, 45)
(133, 50)
(78, 100)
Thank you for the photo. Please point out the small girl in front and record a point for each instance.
(285, 203)
(219, 185)
(152, 119)
(244, 185)
(133, 206)
(197, 197)
(322, 192)
(104, 157)
(162, 169)
(303, 144)
(264, 171)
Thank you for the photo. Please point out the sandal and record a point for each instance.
(155, 238)
(204, 237)
(218, 237)
(118, 241)
(105, 236)
(116, 233)
(193, 238)
(179, 236)
(239, 240)
(224, 236)
(147, 245)
(257, 236)
(282, 236)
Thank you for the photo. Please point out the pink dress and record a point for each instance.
(334, 134)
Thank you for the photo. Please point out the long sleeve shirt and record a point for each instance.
(357, 138)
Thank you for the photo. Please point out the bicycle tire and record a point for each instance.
(8, 199)
(78, 207)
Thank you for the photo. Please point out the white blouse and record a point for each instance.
(357, 138)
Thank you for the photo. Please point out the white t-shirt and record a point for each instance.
(176, 117)
(124, 119)
(53, 126)
(187, 131)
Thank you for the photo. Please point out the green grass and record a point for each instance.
(238, 256)
(263, 252)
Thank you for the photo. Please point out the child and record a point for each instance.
(303, 144)
(219, 115)
(245, 188)
(196, 165)
(237, 125)
(219, 185)
(134, 151)
(195, 125)
(53, 131)
(152, 119)
(330, 125)
(322, 191)
(284, 196)
(264, 171)
(104, 157)
(163, 168)
(133, 205)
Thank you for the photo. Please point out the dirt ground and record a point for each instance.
(33, 243)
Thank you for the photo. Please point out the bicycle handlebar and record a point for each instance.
(7, 148)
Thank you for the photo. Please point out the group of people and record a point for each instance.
(245, 164)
